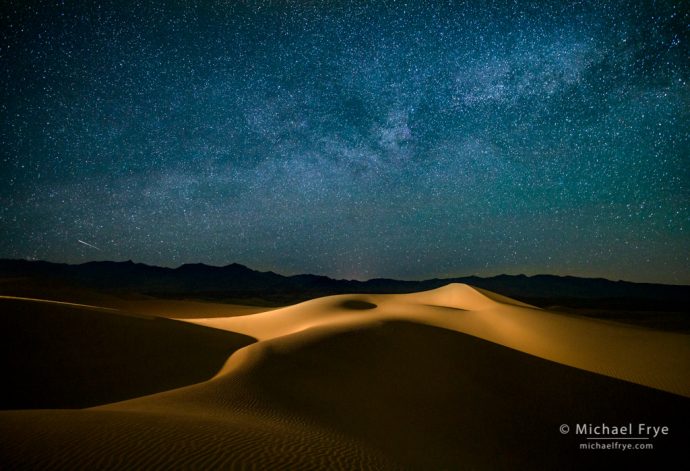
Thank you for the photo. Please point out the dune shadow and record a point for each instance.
(358, 305)
(57, 356)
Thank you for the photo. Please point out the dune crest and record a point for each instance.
(461, 296)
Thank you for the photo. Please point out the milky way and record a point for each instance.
(353, 139)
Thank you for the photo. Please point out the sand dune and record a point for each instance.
(453, 378)
(127, 302)
(657, 359)
(67, 355)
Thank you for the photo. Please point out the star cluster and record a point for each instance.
(353, 139)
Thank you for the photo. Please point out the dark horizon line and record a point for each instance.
(520, 275)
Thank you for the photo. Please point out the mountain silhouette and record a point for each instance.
(240, 283)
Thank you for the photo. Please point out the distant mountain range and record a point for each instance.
(238, 283)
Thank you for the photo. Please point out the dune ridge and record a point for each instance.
(651, 358)
(63, 303)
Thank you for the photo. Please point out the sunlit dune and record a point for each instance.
(651, 358)
(452, 378)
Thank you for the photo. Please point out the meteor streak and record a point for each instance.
(89, 245)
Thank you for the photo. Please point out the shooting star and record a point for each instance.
(89, 245)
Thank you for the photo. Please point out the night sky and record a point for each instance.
(351, 139)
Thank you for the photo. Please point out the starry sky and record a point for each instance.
(352, 139)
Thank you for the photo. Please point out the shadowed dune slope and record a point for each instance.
(120, 440)
(424, 397)
(63, 356)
